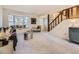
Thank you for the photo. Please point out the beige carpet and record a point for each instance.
(44, 43)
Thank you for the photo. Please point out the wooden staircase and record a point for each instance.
(69, 13)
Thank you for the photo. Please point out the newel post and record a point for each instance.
(48, 22)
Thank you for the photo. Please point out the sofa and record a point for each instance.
(36, 28)
(7, 49)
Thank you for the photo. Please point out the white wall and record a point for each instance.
(7, 12)
(53, 16)
(1, 13)
(40, 21)
(62, 30)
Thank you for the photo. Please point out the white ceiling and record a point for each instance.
(37, 9)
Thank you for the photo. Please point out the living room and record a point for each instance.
(31, 29)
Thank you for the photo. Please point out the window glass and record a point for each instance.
(10, 20)
(18, 20)
(0, 21)
(26, 22)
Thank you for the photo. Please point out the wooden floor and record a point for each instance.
(44, 43)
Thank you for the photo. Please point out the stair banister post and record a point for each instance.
(48, 22)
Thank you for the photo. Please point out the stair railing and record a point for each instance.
(63, 15)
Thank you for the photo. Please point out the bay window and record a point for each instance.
(22, 21)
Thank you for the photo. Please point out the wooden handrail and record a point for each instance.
(56, 18)
(69, 8)
(67, 15)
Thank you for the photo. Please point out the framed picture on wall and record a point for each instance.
(33, 20)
